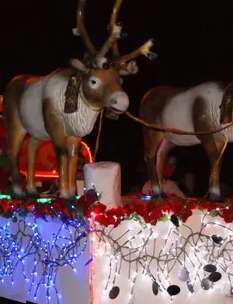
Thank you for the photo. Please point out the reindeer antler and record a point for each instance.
(81, 28)
(115, 31)
(113, 21)
(121, 63)
(143, 50)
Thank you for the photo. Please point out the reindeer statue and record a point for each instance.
(65, 104)
(197, 109)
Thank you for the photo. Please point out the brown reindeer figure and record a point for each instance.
(198, 109)
(65, 104)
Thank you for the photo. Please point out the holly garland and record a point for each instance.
(89, 206)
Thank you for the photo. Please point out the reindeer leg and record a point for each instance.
(63, 172)
(152, 141)
(15, 139)
(32, 149)
(72, 148)
(215, 148)
(161, 158)
(15, 134)
(55, 128)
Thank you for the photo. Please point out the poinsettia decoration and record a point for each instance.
(152, 212)
(91, 208)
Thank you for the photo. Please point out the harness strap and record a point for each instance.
(174, 130)
(71, 94)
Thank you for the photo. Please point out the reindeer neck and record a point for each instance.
(88, 103)
(81, 122)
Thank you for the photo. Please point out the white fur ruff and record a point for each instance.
(79, 123)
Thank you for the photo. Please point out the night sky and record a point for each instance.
(193, 40)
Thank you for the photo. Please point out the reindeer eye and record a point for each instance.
(94, 82)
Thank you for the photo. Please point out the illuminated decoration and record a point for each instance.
(136, 261)
(177, 250)
(53, 207)
(146, 197)
(46, 159)
(151, 212)
(5, 196)
(41, 237)
(87, 151)
(46, 256)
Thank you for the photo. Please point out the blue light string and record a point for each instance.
(68, 244)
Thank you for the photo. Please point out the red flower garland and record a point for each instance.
(152, 212)
(91, 208)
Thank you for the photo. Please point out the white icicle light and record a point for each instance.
(157, 269)
(183, 274)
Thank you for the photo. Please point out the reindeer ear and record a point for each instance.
(130, 68)
(78, 65)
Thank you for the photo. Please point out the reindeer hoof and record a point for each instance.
(19, 195)
(72, 199)
(33, 194)
(215, 197)
(63, 195)
(158, 197)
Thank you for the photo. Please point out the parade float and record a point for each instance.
(100, 247)
(86, 251)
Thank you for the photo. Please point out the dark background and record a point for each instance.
(194, 41)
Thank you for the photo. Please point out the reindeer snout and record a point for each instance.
(119, 101)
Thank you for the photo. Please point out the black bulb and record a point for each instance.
(114, 292)
(217, 239)
(173, 290)
(174, 220)
(155, 288)
(215, 276)
(210, 268)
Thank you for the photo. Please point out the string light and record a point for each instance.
(22, 240)
(145, 251)
(182, 258)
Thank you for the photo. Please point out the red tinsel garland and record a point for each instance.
(96, 211)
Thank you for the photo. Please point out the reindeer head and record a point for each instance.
(101, 75)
